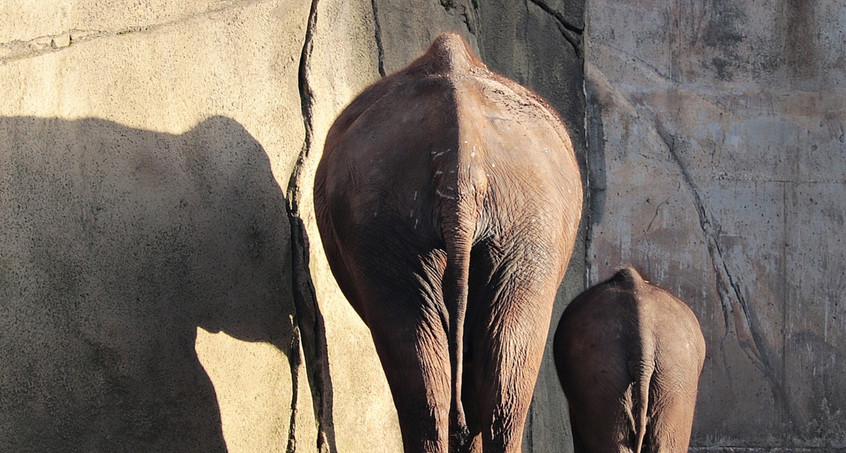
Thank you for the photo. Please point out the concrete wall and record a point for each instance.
(158, 289)
(145, 273)
(716, 158)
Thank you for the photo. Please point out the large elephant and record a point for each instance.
(448, 199)
(629, 355)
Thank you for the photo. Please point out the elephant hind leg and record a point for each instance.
(598, 387)
(416, 363)
(672, 421)
(509, 336)
(600, 416)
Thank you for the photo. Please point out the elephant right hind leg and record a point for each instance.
(507, 341)
(672, 419)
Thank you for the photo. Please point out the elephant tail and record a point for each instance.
(640, 417)
(641, 353)
(459, 223)
(642, 369)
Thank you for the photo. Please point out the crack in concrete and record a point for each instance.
(658, 209)
(308, 318)
(20, 49)
(377, 34)
(294, 362)
(736, 310)
(595, 184)
(463, 12)
(571, 33)
(23, 49)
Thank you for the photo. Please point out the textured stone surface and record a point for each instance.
(156, 179)
(716, 165)
(141, 209)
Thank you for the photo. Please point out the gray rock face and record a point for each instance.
(716, 162)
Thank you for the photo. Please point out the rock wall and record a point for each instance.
(716, 164)
(158, 288)
(163, 287)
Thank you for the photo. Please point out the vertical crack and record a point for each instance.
(312, 333)
(306, 106)
(588, 206)
(295, 359)
(308, 320)
(377, 32)
(571, 33)
(736, 310)
(468, 14)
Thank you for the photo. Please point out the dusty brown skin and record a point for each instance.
(448, 200)
(629, 355)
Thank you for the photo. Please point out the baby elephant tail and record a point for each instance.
(641, 355)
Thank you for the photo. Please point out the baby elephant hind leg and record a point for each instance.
(674, 383)
(671, 418)
(602, 413)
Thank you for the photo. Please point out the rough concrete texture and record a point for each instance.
(142, 209)
(716, 165)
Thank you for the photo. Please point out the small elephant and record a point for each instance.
(448, 199)
(629, 355)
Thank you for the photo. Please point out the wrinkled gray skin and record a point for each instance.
(629, 355)
(448, 200)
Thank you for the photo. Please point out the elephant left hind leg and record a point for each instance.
(415, 357)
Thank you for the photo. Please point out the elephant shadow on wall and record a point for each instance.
(115, 245)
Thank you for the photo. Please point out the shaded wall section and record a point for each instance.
(716, 165)
(117, 245)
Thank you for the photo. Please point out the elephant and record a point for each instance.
(629, 355)
(448, 200)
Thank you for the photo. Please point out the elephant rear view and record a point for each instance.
(448, 199)
(629, 355)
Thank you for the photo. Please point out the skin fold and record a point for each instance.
(629, 355)
(448, 199)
